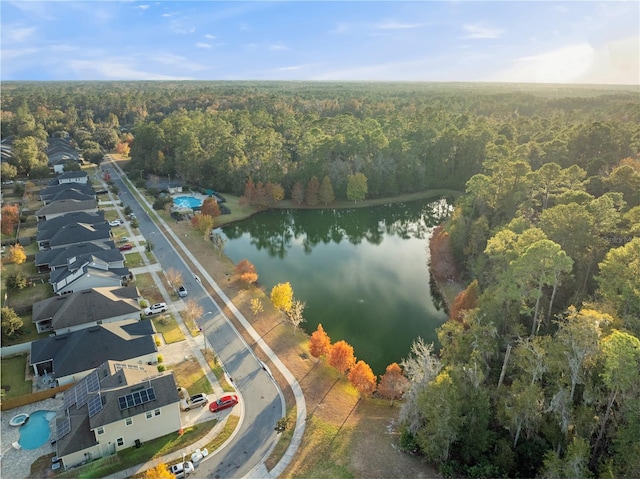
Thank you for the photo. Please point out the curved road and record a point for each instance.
(262, 399)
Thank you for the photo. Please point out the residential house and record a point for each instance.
(117, 406)
(59, 152)
(87, 273)
(62, 207)
(71, 194)
(73, 233)
(46, 194)
(83, 309)
(70, 177)
(52, 259)
(69, 357)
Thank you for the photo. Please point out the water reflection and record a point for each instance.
(362, 272)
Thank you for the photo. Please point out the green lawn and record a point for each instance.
(168, 327)
(133, 260)
(192, 377)
(17, 298)
(149, 450)
(28, 268)
(29, 333)
(13, 377)
(150, 256)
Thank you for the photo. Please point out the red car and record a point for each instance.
(223, 403)
(126, 247)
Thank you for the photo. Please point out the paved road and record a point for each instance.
(263, 403)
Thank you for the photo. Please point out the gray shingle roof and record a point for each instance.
(75, 217)
(86, 349)
(78, 233)
(87, 306)
(67, 206)
(68, 175)
(72, 194)
(50, 191)
(58, 257)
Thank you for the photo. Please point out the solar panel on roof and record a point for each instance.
(63, 428)
(93, 382)
(69, 398)
(95, 404)
(136, 398)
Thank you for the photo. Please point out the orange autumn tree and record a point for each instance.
(210, 207)
(393, 383)
(319, 343)
(362, 378)
(10, 217)
(466, 300)
(341, 357)
(247, 272)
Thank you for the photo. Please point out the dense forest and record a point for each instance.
(538, 371)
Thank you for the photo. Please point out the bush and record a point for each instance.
(160, 203)
(153, 191)
(408, 442)
(161, 368)
(143, 303)
(11, 322)
(18, 189)
(16, 280)
(134, 223)
(127, 210)
(160, 358)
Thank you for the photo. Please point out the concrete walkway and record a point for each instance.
(260, 471)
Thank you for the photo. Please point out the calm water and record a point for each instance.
(35, 432)
(363, 273)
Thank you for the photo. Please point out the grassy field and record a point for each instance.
(216, 367)
(148, 288)
(168, 327)
(13, 377)
(29, 333)
(17, 298)
(133, 260)
(190, 376)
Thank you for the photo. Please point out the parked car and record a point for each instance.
(156, 308)
(125, 247)
(132, 216)
(223, 403)
(115, 223)
(182, 291)
(196, 400)
(182, 469)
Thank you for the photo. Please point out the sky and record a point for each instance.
(435, 41)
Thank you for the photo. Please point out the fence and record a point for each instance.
(32, 398)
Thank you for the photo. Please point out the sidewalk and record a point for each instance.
(260, 471)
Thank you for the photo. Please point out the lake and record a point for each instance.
(363, 272)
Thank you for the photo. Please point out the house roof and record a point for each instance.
(60, 256)
(71, 218)
(86, 349)
(113, 276)
(50, 191)
(90, 265)
(72, 194)
(88, 306)
(66, 206)
(116, 379)
(76, 233)
(68, 175)
(126, 381)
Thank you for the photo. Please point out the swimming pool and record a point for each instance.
(36, 431)
(187, 202)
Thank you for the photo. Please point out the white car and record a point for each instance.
(115, 223)
(181, 469)
(156, 308)
(194, 401)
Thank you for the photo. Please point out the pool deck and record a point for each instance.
(17, 463)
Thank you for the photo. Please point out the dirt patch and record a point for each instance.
(349, 431)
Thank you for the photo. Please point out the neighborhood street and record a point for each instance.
(263, 401)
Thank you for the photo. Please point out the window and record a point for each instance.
(120, 441)
(156, 412)
(128, 421)
(100, 430)
(149, 414)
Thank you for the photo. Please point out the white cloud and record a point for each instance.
(278, 47)
(209, 36)
(563, 65)
(11, 54)
(617, 62)
(480, 32)
(178, 62)
(11, 34)
(287, 69)
(116, 69)
(202, 45)
(392, 25)
(341, 27)
(142, 7)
